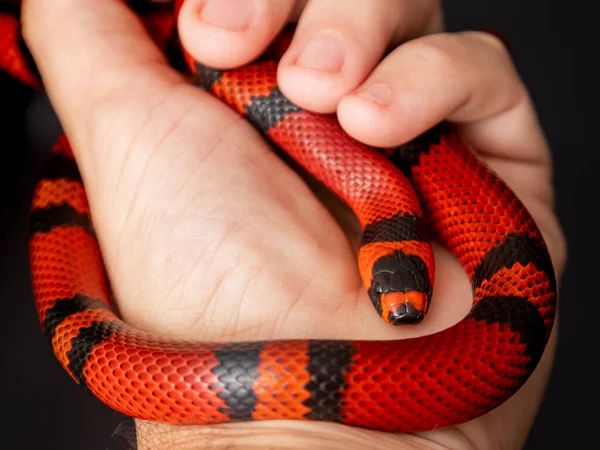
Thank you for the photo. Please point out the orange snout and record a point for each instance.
(399, 308)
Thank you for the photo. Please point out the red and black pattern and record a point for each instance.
(433, 186)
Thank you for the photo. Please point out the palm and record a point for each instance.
(212, 236)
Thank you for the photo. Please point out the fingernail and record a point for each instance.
(324, 53)
(378, 93)
(231, 14)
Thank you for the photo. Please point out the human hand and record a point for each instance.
(207, 235)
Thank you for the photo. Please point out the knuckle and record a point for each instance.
(434, 52)
(452, 52)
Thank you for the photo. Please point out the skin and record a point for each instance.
(206, 234)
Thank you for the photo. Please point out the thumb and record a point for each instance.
(117, 99)
(88, 51)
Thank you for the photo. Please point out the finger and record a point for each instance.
(230, 33)
(105, 78)
(337, 44)
(467, 78)
(100, 47)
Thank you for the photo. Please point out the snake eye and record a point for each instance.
(378, 288)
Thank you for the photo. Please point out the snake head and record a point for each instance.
(400, 288)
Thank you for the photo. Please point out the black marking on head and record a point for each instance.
(59, 166)
(65, 307)
(266, 111)
(408, 155)
(514, 249)
(43, 220)
(398, 272)
(206, 77)
(523, 317)
(400, 227)
(329, 362)
(83, 344)
(237, 371)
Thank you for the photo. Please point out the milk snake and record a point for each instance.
(432, 187)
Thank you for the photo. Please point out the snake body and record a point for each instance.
(433, 186)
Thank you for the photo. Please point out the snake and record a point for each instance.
(431, 188)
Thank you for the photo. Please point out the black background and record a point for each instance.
(554, 48)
